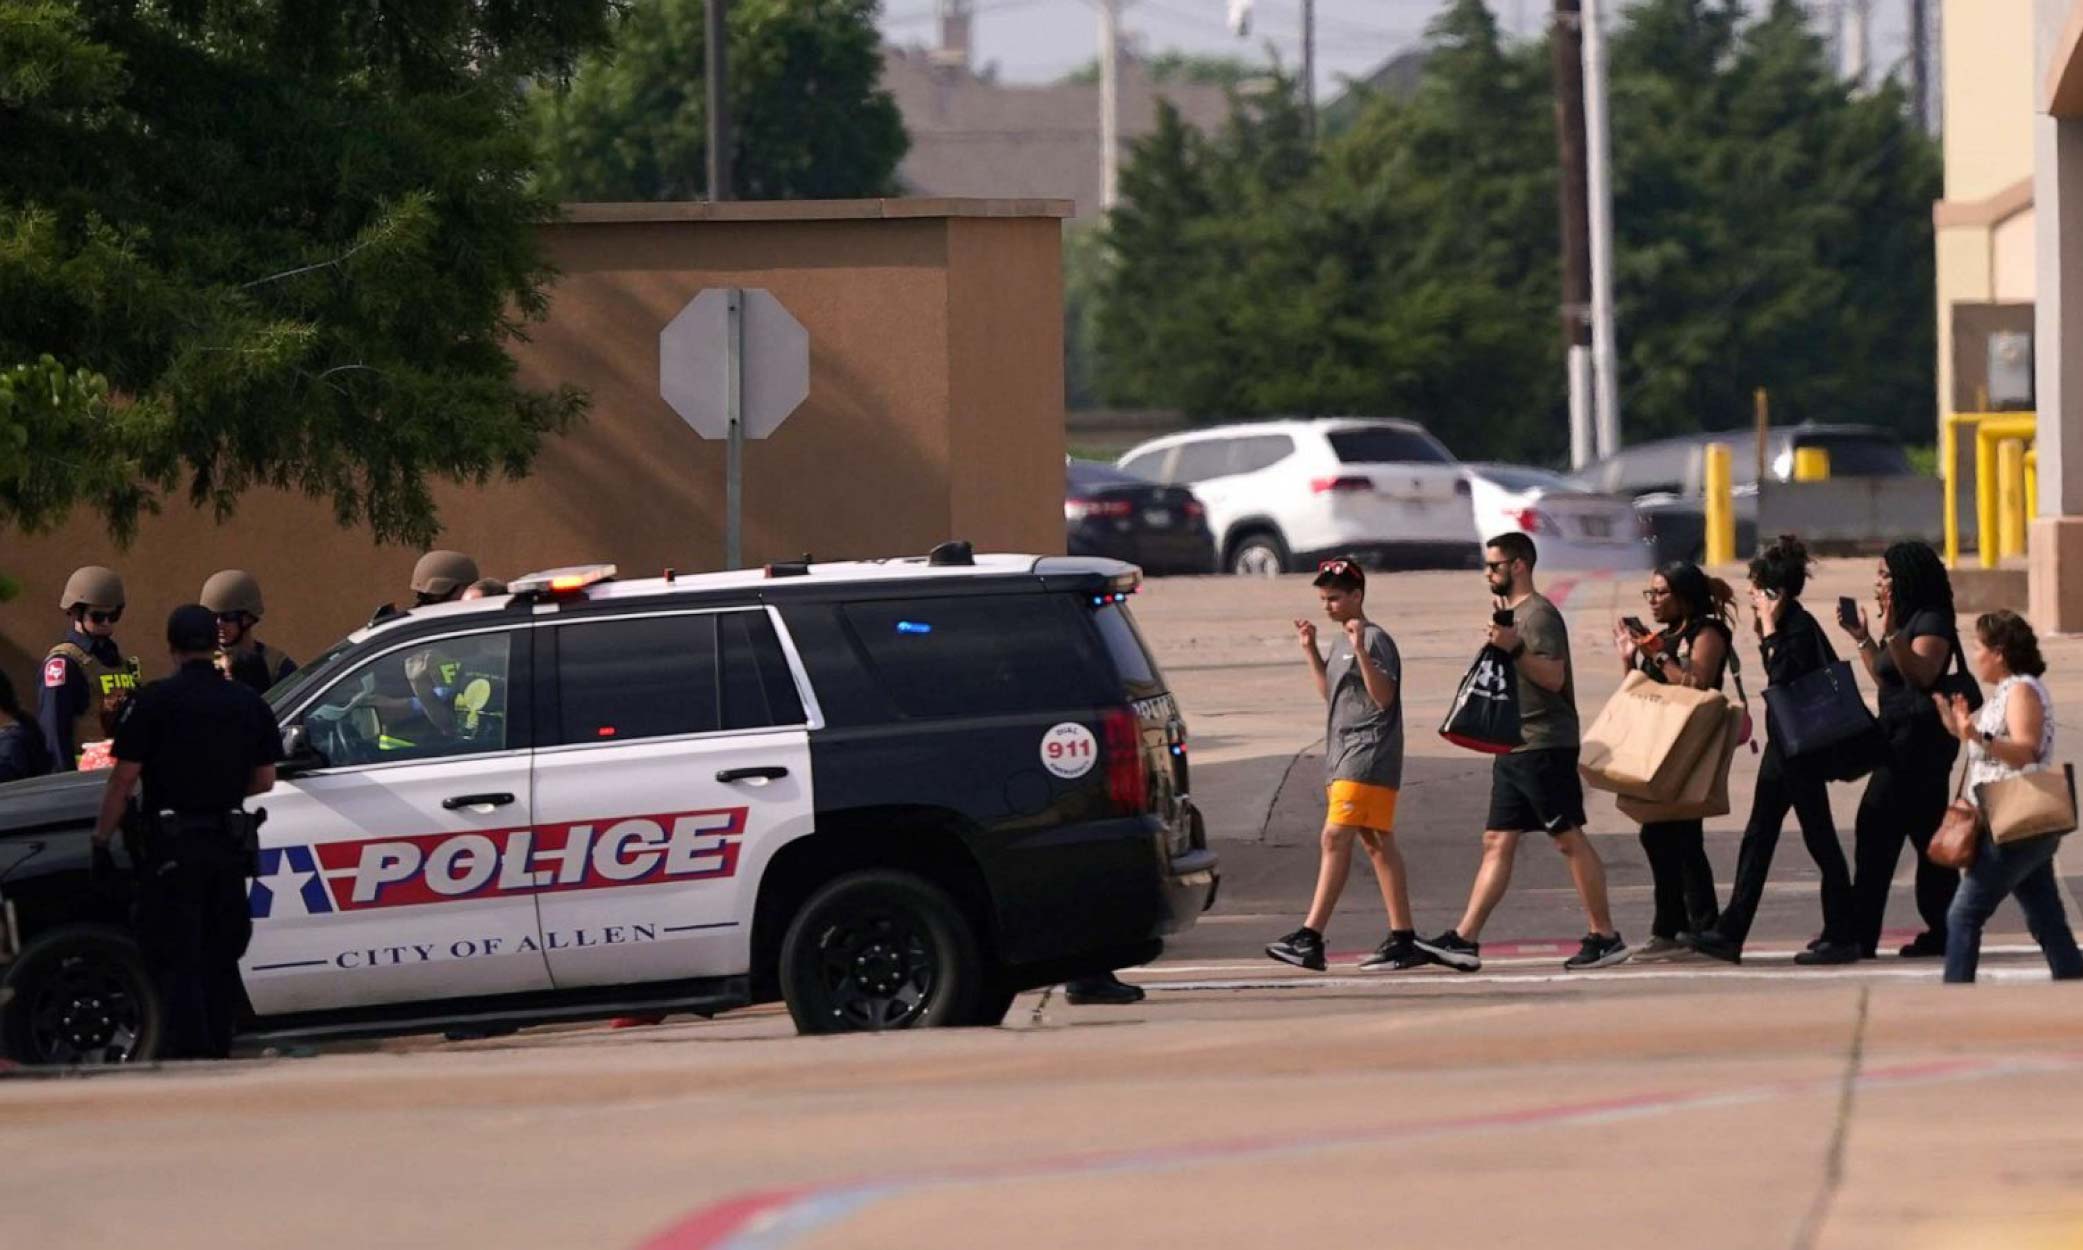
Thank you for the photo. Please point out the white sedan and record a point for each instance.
(1573, 528)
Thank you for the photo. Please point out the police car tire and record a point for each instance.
(852, 914)
(104, 952)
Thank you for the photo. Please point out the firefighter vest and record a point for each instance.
(109, 686)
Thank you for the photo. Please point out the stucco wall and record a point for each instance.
(935, 411)
(1989, 86)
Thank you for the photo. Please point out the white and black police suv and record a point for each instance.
(890, 793)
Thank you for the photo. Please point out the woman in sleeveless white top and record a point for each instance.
(2012, 734)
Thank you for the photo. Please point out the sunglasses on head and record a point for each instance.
(1341, 567)
(100, 617)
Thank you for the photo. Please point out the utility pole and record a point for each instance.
(1309, 68)
(1109, 103)
(1855, 41)
(1576, 241)
(717, 69)
(1598, 169)
(1920, 65)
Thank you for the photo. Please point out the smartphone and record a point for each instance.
(1847, 611)
(1633, 625)
(1502, 617)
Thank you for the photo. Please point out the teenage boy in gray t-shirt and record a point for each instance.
(1360, 683)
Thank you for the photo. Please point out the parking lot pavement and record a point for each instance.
(1238, 1107)
(1228, 648)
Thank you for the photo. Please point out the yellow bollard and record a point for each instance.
(2010, 498)
(1948, 471)
(1721, 508)
(1987, 513)
(2032, 487)
(1811, 464)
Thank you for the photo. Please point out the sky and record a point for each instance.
(1041, 40)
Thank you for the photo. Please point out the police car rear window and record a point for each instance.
(639, 677)
(978, 654)
(1140, 678)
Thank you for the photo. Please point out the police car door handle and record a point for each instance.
(769, 772)
(456, 802)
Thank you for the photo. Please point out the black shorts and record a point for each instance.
(1536, 790)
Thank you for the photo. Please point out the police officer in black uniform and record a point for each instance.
(201, 744)
(86, 678)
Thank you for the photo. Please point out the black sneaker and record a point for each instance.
(1105, 990)
(1926, 945)
(1715, 946)
(1597, 952)
(1453, 950)
(1397, 952)
(1304, 948)
(1828, 953)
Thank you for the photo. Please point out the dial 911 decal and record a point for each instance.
(1069, 750)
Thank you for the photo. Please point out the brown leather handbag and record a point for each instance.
(1953, 846)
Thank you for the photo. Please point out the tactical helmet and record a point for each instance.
(232, 590)
(443, 573)
(92, 587)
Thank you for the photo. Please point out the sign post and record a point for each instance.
(734, 364)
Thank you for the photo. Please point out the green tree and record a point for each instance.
(810, 119)
(256, 242)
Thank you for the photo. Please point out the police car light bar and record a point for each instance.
(565, 581)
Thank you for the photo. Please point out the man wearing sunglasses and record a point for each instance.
(86, 677)
(1534, 788)
(234, 595)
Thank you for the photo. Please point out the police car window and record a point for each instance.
(758, 689)
(1132, 660)
(977, 654)
(451, 696)
(641, 677)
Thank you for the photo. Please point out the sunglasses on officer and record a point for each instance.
(100, 617)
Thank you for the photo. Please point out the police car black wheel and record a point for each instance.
(880, 950)
(82, 996)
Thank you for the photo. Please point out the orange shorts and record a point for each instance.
(1363, 806)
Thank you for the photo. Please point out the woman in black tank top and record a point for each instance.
(1691, 647)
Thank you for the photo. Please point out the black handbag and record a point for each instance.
(1484, 715)
(1819, 711)
(1957, 680)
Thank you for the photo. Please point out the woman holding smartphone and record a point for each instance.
(1794, 646)
(1691, 647)
(1907, 792)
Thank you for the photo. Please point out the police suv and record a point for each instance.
(890, 793)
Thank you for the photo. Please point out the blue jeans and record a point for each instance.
(2025, 869)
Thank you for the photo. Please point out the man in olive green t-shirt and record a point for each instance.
(1535, 786)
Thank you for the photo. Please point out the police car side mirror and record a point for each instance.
(298, 754)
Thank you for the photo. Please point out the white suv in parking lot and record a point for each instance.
(1281, 495)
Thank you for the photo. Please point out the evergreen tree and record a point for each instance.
(809, 117)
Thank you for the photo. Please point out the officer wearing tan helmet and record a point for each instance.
(441, 576)
(234, 595)
(86, 677)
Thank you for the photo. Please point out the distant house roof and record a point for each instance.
(974, 137)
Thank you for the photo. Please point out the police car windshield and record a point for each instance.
(285, 692)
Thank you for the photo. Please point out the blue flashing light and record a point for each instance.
(914, 627)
